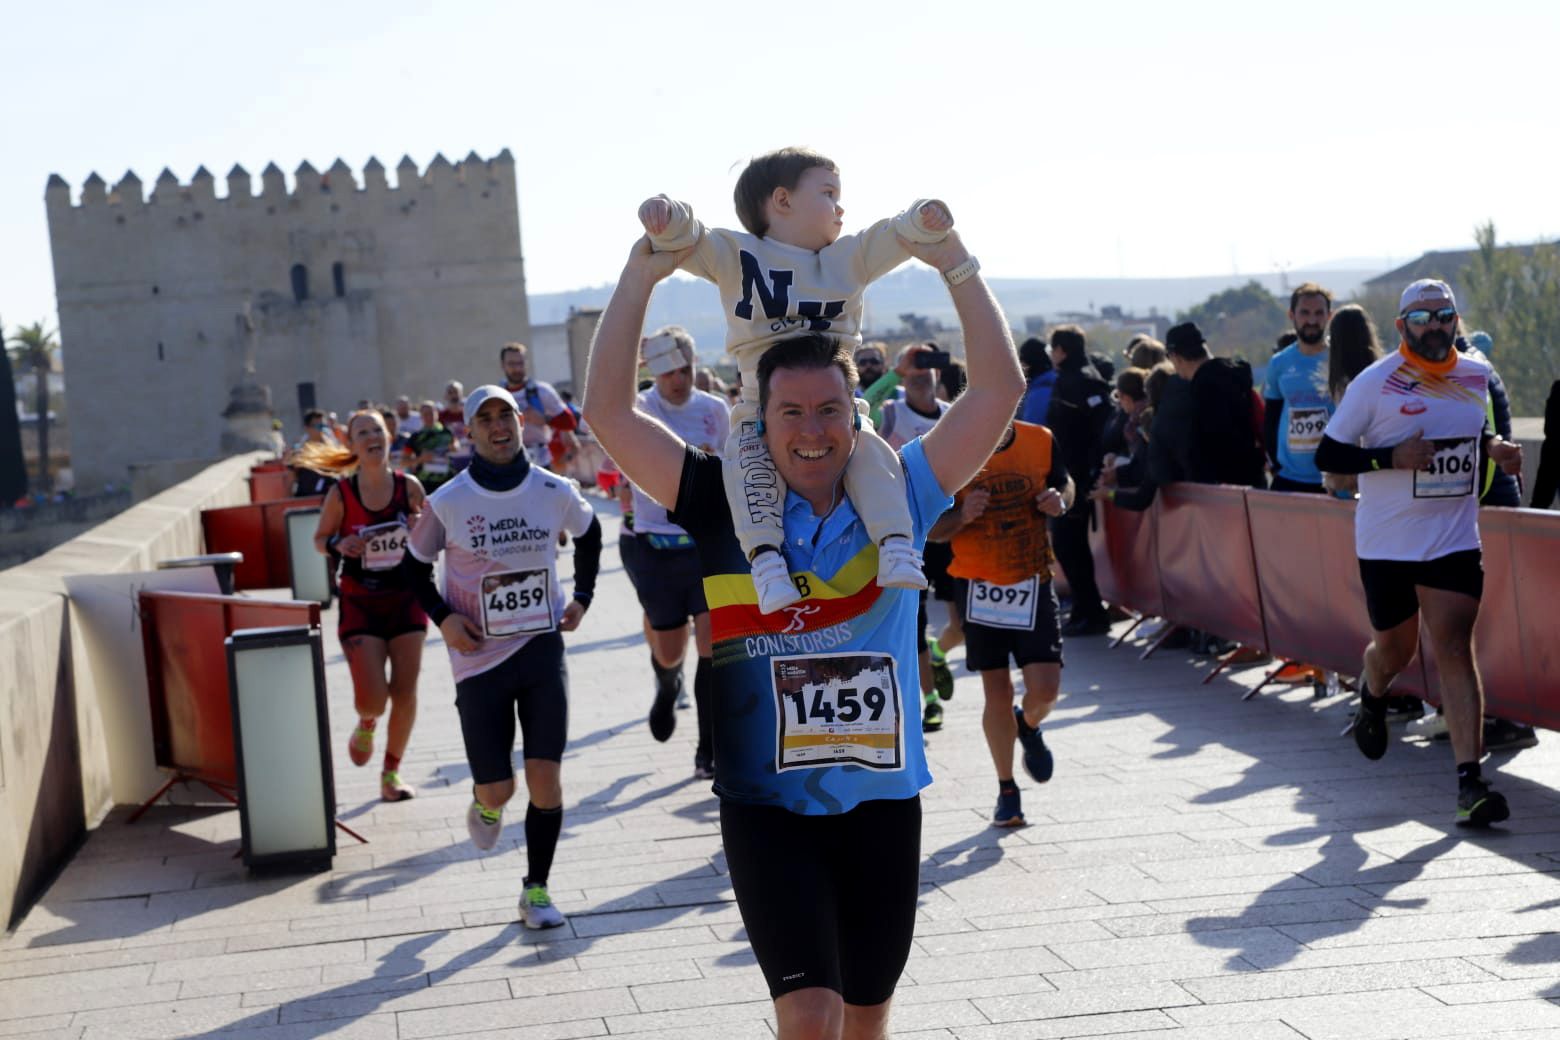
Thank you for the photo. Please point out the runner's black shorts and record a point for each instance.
(827, 900)
(987, 647)
(531, 685)
(667, 581)
(1299, 487)
(935, 558)
(382, 615)
(1390, 596)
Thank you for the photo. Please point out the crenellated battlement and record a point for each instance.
(307, 183)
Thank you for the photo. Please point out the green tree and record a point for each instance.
(1244, 320)
(1515, 297)
(13, 470)
(32, 348)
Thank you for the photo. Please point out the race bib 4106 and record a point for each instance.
(1451, 471)
(834, 709)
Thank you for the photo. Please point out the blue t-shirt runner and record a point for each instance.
(1299, 381)
(819, 710)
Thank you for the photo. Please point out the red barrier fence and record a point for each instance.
(1279, 571)
(187, 674)
(1125, 565)
(269, 485)
(1205, 565)
(259, 531)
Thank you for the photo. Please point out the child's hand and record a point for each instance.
(943, 256)
(655, 214)
(936, 217)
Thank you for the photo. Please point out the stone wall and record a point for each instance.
(54, 775)
(358, 288)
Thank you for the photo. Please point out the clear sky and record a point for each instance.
(1070, 140)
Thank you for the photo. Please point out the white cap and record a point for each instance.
(1426, 292)
(483, 394)
(663, 354)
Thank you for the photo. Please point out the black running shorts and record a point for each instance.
(668, 582)
(530, 685)
(935, 558)
(827, 900)
(1390, 598)
(382, 615)
(987, 647)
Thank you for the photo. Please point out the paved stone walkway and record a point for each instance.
(1199, 868)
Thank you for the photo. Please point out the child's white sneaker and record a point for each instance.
(772, 579)
(899, 565)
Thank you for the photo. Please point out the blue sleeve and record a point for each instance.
(1270, 387)
(928, 501)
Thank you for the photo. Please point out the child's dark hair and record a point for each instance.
(779, 169)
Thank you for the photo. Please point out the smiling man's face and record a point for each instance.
(808, 429)
(495, 431)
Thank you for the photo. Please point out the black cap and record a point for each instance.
(1185, 340)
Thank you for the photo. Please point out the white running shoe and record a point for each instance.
(536, 908)
(772, 579)
(484, 835)
(899, 565)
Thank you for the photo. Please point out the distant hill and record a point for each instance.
(694, 303)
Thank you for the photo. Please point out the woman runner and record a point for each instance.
(364, 520)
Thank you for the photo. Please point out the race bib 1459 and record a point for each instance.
(837, 708)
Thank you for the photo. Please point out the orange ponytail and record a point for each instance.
(334, 460)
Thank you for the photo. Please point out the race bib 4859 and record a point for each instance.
(516, 603)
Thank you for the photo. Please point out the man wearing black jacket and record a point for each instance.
(1548, 478)
(1205, 430)
(1080, 407)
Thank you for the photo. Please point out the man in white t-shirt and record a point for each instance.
(549, 424)
(502, 612)
(1414, 427)
(660, 557)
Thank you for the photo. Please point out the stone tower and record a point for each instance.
(354, 290)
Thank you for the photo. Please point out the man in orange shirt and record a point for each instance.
(1002, 563)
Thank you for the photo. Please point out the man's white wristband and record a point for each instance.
(963, 273)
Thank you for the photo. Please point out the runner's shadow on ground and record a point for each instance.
(965, 857)
(1293, 748)
(609, 643)
(402, 970)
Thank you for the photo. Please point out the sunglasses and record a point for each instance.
(1420, 318)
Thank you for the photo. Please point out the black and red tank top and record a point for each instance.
(384, 533)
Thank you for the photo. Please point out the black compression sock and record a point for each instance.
(1467, 771)
(665, 676)
(542, 827)
(1007, 786)
(702, 678)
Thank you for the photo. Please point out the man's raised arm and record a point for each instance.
(648, 453)
(961, 442)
